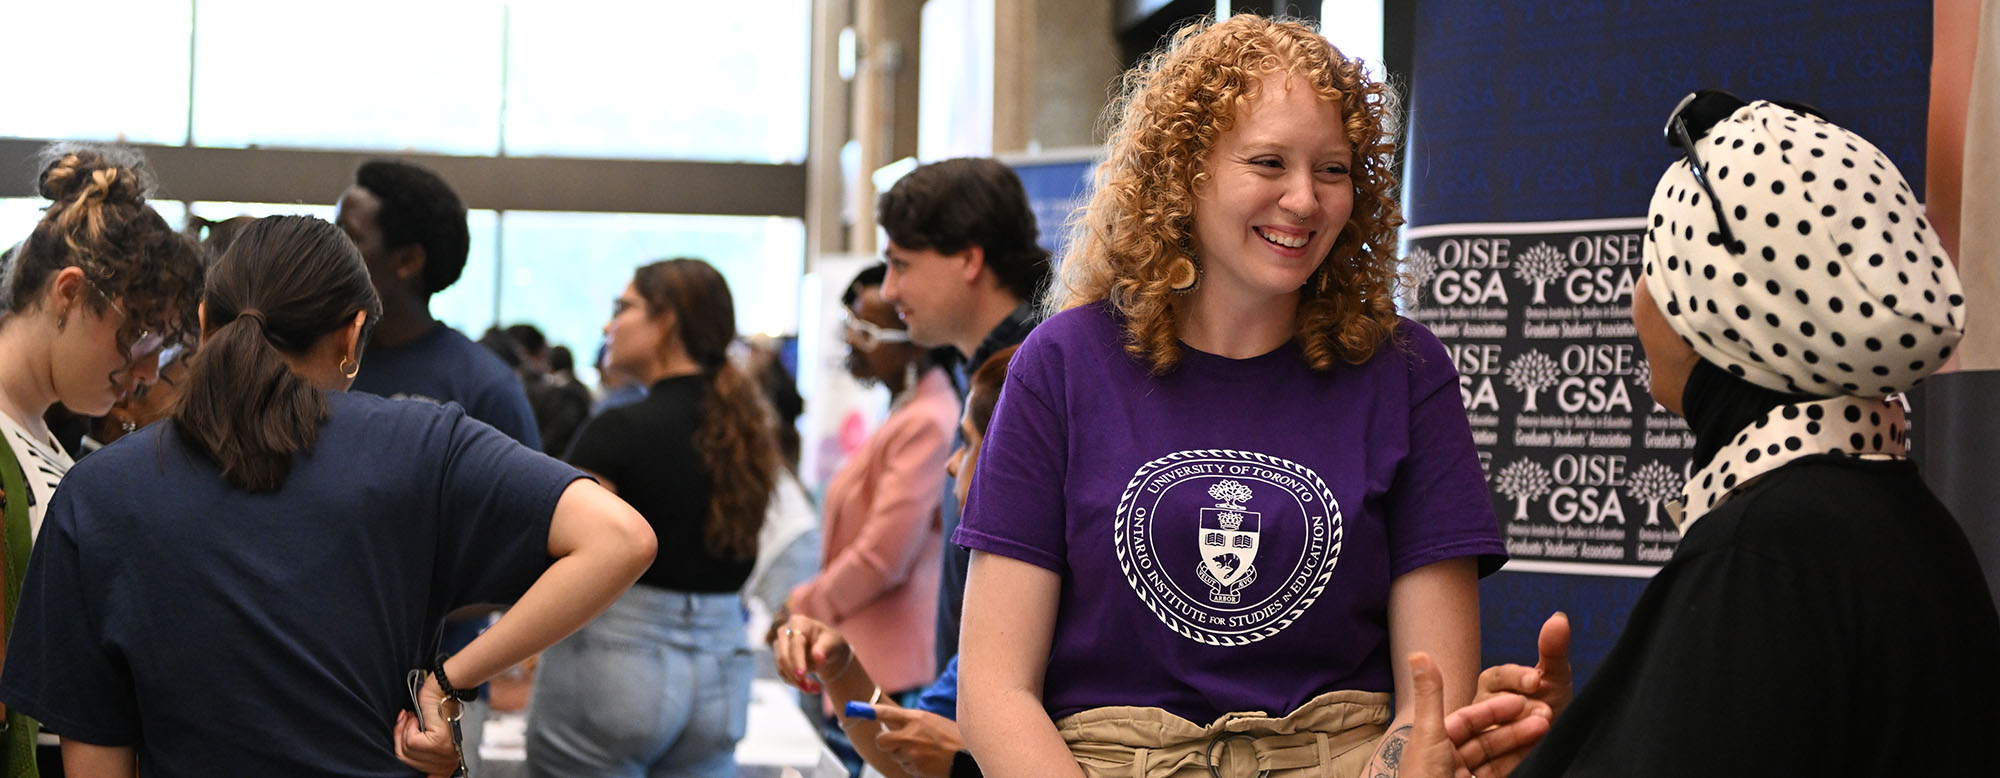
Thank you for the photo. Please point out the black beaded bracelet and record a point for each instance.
(462, 695)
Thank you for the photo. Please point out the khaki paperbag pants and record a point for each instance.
(1333, 734)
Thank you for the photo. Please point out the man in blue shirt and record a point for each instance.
(410, 227)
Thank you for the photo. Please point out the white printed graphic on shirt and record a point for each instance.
(1228, 551)
(1237, 505)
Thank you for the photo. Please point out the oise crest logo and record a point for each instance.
(1266, 535)
(1228, 542)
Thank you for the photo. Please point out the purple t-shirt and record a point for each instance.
(1226, 533)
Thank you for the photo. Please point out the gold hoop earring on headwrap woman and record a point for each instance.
(350, 367)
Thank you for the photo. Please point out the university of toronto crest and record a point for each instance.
(1228, 535)
(1266, 531)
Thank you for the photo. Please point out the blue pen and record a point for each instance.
(860, 710)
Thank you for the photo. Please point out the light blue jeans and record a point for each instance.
(657, 687)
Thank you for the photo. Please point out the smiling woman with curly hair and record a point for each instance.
(1133, 245)
(1226, 489)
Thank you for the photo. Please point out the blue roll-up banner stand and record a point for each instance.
(1058, 183)
(1536, 144)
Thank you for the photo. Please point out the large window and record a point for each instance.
(561, 271)
(696, 81)
(362, 74)
(581, 79)
(680, 80)
(95, 69)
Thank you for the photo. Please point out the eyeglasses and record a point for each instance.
(1690, 122)
(869, 336)
(147, 343)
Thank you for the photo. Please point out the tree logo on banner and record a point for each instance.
(1418, 268)
(1539, 265)
(1522, 481)
(1653, 483)
(1529, 374)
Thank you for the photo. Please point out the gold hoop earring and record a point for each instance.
(1184, 275)
(350, 367)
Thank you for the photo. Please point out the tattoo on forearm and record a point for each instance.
(1389, 755)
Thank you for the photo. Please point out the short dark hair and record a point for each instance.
(419, 207)
(503, 345)
(561, 360)
(870, 276)
(953, 205)
(529, 338)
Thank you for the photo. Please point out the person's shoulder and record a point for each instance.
(1086, 332)
(132, 454)
(625, 424)
(1415, 344)
(371, 415)
(473, 360)
(1088, 323)
(1412, 350)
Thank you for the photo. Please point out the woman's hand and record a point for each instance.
(1544, 688)
(1486, 739)
(429, 751)
(810, 652)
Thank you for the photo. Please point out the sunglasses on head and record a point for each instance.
(1691, 121)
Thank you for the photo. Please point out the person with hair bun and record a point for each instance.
(1226, 484)
(660, 684)
(244, 591)
(87, 303)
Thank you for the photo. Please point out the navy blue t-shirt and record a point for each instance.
(222, 632)
(445, 366)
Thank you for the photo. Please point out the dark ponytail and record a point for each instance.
(735, 439)
(285, 283)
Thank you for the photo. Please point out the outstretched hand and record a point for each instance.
(1463, 744)
(1548, 682)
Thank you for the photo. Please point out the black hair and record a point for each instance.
(529, 338)
(870, 276)
(285, 283)
(419, 207)
(561, 360)
(956, 204)
(503, 345)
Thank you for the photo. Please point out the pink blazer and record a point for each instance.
(878, 579)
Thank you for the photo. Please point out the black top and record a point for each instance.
(228, 633)
(646, 450)
(1829, 620)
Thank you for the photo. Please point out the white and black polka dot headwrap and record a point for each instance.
(1838, 284)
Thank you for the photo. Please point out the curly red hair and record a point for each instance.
(1172, 111)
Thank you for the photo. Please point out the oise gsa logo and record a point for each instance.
(1227, 547)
